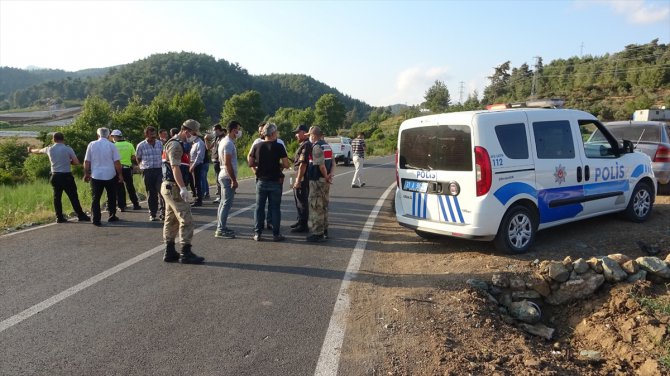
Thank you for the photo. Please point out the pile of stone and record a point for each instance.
(558, 282)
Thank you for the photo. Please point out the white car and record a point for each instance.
(503, 175)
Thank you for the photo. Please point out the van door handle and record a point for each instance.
(579, 174)
(587, 173)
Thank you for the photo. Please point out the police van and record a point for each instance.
(502, 175)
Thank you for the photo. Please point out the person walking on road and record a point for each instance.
(148, 155)
(102, 168)
(301, 184)
(321, 172)
(227, 178)
(269, 159)
(178, 217)
(127, 153)
(358, 150)
(61, 157)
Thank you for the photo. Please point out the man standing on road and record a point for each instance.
(321, 172)
(269, 159)
(227, 178)
(163, 135)
(301, 184)
(102, 167)
(178, 217)
(358, 150)
(61, 157)
(219, 134)
(127, 153)
(148, 156)
(198, 154)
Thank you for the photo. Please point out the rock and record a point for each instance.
(500, 280)
(580, 266)
(525, 294)
(595, 264)
(539, 330)
(630, 267)
(477, 284)
(537, 283)
(648, 249)
(649, 368)
(591, 355)
(567, 262)
(641, 275)
(505, 299)
(654, 265)
(557, 271)
(531, 362)
(667, 259)
(576, 289)
(525, 311)
(619, 258)
(517, 283)
(612, 271)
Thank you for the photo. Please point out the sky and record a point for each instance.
(381, 52)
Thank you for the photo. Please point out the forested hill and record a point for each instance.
(173, 73)
(13, 79)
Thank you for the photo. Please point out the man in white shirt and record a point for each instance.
(227, 178)
(102, 167)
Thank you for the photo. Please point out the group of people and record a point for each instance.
(170, 165)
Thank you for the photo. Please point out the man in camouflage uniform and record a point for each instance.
(174, 191)
(321, 171)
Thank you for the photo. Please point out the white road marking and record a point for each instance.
(39, 307)
(329, 359)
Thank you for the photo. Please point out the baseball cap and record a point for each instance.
(191, 124)
(117, 132)
(301, 127)
(315, 131)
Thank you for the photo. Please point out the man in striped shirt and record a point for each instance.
(358, 150)
(148, 156)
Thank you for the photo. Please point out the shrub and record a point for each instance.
(37, 166)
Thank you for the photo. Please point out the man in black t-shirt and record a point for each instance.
(269, 159)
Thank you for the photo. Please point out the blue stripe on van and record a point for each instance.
(418, 205)
(451, 211)
(413, 203)
(425, 205)
(507, 191)
(458, 209)
(606, 187)
(444, 211)
(639, 170)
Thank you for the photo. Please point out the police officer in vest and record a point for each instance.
(321, 171)
(173, 189)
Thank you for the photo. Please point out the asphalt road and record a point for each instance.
(80, 300)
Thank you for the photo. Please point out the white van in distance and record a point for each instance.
(503, 175)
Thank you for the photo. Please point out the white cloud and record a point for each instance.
(640, 12)
(412, 83)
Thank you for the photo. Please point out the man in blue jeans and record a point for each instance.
(269, 159)
(227, 178)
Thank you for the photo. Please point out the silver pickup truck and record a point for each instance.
(341, 149)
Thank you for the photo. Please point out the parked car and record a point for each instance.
(649, 137)
(341, 149)
(504, 175)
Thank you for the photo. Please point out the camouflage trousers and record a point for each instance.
(318, 206)
(177, 215)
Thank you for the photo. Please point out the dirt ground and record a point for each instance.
(411, 313)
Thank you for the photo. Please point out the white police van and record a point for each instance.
(503, 175)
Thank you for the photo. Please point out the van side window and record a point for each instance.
(599, 146)
(512, 138)
(553, 139)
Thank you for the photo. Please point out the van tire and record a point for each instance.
(640, 204)
(517, 230)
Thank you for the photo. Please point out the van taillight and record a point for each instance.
(662, 154)
(482, 170)
(397, 177)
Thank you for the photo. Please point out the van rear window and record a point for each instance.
(442, 147)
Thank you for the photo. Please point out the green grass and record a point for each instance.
(32, 203)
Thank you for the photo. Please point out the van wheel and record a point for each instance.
(517, 230)
(427, 235)
(640, 204)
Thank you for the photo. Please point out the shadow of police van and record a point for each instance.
(502, 175)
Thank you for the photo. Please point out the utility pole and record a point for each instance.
(460, 93)
(534, 86)
(581, 50)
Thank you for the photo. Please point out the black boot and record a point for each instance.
(188, 257)
(171, 254)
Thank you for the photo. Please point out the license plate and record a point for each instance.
(415, 186)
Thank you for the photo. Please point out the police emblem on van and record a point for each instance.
(559, 174)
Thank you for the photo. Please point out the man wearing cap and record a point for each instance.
(61, 157)
(148, 156)
(321, 172)
(227, 178)
(269, 159)
(102, 168)
(127, 153)
(178, 217)
(301, 183)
